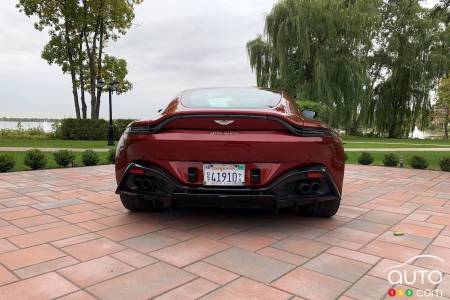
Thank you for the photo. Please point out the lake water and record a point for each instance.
(46, 126)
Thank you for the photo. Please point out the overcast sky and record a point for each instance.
(174, 45)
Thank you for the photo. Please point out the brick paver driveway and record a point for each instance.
(63, 233)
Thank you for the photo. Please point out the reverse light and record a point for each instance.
(314, 174)
(136, 171)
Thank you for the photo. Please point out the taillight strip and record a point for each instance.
(300, 131)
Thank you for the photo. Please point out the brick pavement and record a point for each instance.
(64, 234)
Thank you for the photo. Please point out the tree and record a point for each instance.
(443, 102)
(103, 21)
(79, 33)
(317, 50)
(372, 63)
(412, 54)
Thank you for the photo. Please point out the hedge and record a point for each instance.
(89, 129)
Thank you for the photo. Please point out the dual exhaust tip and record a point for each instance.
(306, 187)
(143, 183)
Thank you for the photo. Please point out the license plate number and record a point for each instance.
(224, 174)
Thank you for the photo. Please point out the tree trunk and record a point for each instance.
(71, 63)
(81, 77)
(99, 68)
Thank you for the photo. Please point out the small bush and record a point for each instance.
(7, 162)
(390, 160)
(365, 158)
(35, 159)
(345, 156)
(112, 155)
(419, 162)
(64, 158)
(89, 129)
(444, 163)
(90, 158)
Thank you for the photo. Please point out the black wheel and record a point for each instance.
(133, 203)
(323, 209)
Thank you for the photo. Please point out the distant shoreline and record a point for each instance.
(29, 119)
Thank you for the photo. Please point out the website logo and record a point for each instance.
(397, 275)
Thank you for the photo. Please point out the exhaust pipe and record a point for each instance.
(138, 183)
(146, 184)
(304, 187)
(315, 186)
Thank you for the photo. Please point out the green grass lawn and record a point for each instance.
(432, 157)
(52, 143)
(350, 142)
(51, 164)
(364, 142)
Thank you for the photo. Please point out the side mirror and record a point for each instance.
(310, 114)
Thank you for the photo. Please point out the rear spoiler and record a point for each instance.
(300, 131)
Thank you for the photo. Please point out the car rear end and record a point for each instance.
(247, 157)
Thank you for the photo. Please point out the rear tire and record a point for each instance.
(137, 204)
(325, 209)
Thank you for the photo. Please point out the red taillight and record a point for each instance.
(314, 174)
(136, 171)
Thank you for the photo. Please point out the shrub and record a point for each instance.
(89, 129)
(83, 129)
(90, 158)
(35, 159)
(390, 160)
(119, 127)
(112, 155)
(419, 162)
(365, 158)
(444, 163)
(345, 156)
(7, 162)
(64, 158)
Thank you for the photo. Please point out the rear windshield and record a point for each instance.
(230, 98)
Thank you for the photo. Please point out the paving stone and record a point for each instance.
(134, 258)
(249, 264)
(56, 204)
(371, 288)
(248, 241)
(144, 283)
(300, 246)
(311, 285)
(192, 290)
(390, 250)
(338, 267)
(46, 267)
(45, 236)
(382, 217)
(149, 242)
(210, 272)
(189, 251)
(6, 276)
(93, 249)
(24, 257)
(47, 286)
(94, 271)
(124, 232)
(244, 288)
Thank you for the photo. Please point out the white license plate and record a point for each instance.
(224, 174)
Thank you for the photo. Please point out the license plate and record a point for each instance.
(224, 174)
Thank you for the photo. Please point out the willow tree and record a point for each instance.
(412, 53)
(318, 50)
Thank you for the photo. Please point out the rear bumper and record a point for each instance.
(283, 192)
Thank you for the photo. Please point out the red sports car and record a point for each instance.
(231, 147)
